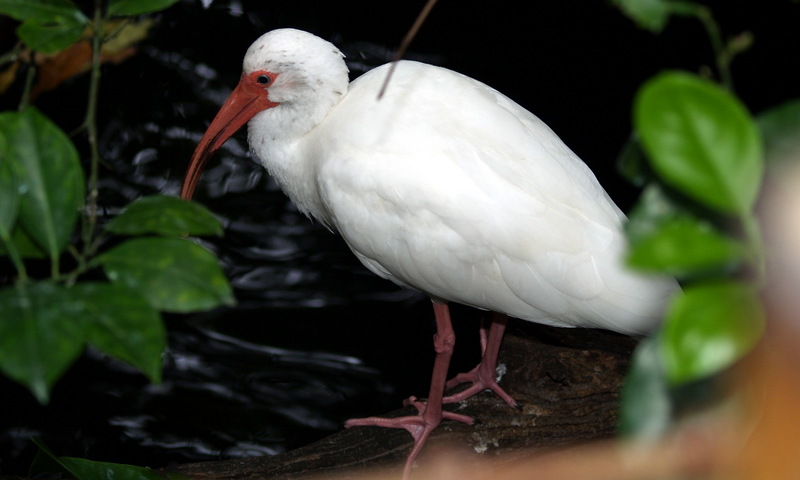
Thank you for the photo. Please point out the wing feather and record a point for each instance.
(484, 206)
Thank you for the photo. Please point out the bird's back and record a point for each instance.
(449, 187)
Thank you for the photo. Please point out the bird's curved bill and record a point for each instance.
(245, 101)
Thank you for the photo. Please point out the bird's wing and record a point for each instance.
(447, 186)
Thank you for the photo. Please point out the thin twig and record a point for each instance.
(91, 128)
(28, 86)
(11, 56)
(412, 32)
(721, 55)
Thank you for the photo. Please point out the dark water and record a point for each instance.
(314, 339)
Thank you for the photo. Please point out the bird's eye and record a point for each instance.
(264, 79)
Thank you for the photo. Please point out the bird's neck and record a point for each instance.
(283, 140)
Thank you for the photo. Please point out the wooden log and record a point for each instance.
(566, 382)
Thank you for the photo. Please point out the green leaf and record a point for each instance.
(9, 192)
(708, 327)
(51, 178)
(164, 215)
(686, 246)
(41, 334)
(45, 461)
(121, 323)
(701, 140)
(23, 244)
(137, 7)
(669, 234)
(646, 404)
(648, 14)
(82, 469)
(45, 326)
(174, 275)
(50, 37)
(11, 236)
(51, 182)
(48, 25)
(9, 207)
(655, 207)
(780, 127)
(41, 10)
(632, 164)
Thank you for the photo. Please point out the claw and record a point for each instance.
(484, 376)
(430, 413)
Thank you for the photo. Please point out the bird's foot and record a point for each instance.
(420, 406)
(419, 426)
(481, 379)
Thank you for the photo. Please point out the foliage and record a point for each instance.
(695, 220)
(104, 285)
(52, 25)
(83, 469)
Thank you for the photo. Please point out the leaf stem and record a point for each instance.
(26, 92)
(722, 56)
(720, 52)
(90, 122)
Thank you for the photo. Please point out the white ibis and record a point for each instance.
(443, 185)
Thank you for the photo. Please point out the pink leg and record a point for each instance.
(430, 412)
(484, 375)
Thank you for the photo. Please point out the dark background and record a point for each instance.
(316, 339)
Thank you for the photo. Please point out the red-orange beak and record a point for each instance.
(247, 99)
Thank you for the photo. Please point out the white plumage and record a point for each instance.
(443, 185)
(447, 186)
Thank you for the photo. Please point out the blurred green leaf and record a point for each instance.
(121, 323)
(45, 326)
(9, 192)
(47, 25)
(41, 334)
(655, 207)
(653, 14)
(648, 14)
(164, 215)
(633, 165)
(174, 275)
(50, 37)
(9, 207)
(45, 461)
(646, 406)
(780, 127)
(686, 246)
(709, 326)
(51, 179)
(41, 10)
(137, 7)
(82, 469)
(701, 140)
(25, 247)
